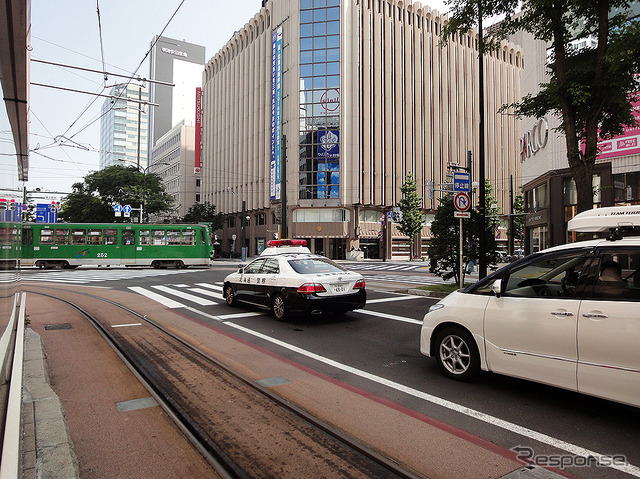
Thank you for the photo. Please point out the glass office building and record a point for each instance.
(325, 106)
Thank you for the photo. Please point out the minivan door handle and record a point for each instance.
(595, 315)
(562, 313)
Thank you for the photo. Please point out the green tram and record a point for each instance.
(10, 245)
(69, 245)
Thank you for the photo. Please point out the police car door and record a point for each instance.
(248, 285)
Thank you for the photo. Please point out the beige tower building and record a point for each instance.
(325, 106)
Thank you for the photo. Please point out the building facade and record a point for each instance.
(124, 125)
(316, 111)
(174, 158)
(546, 177)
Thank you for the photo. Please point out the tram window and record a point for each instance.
(128, 237)
(173, 236)
(27, 237)
(9, 236)
(189, 237)
(46, 237)
(110, 236)
(95, 237)
(78, 237)
(144, 237)
(62, 236)
(158, 237)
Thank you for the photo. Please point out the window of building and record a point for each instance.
(321, 215)
(261, 219)
(626, 189)
(231, 221)
(319, 99)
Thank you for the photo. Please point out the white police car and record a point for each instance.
(288, 279)
(568, 316)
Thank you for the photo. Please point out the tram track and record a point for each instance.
(243, 429)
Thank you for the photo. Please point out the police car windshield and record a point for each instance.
(315, 266)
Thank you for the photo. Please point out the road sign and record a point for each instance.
(462, 214)
(461, 201)
(117, 209)
(461, 181)
(126, 208)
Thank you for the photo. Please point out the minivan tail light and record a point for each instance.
(310, 288)
(359, 284)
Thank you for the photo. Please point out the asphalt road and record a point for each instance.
(377, 350)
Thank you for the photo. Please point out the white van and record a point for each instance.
(568, 316)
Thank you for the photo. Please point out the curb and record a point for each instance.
(47, 447)
(430, 294)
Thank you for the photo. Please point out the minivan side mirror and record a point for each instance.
(496, 287)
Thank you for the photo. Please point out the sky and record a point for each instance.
(68, 32)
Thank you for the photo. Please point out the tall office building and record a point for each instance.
(181, 64)
(364, 93)
(172, 122)
(124, 127)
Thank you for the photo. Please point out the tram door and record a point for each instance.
(128, 247)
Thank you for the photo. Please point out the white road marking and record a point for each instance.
(494, 421)
(183, 295)
(395, 298)
(210, 286)
(388, 316)
(125, 325)
(205, 292)
(169, 303)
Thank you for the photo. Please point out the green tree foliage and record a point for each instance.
(411, 218)
(204, 213)
(93, 200)
(444, 246)
(590, 88)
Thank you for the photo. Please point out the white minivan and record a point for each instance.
(568, 316)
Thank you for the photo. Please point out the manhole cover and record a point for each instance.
(53, 327)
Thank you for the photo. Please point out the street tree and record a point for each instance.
(411, 218)
(591, 89)
(93, 199)
(444, 247)
(204, 213)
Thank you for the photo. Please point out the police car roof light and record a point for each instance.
(287, 242)
(600, 220)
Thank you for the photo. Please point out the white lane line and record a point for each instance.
(388, 316)
(395, 298)
(169, 303)
(210, 286)
(125, 325)
(206, 292)
(183, 295)
(494, 421)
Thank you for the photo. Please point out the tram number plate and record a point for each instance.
(340, 287)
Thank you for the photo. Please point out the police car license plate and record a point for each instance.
(339, 287)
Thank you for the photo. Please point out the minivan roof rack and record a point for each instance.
(600, 220)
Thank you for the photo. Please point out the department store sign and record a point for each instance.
(534, 140)
(329, 144)
(537, 218)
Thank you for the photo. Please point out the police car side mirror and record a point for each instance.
(496, 287)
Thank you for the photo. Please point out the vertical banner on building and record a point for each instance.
(198, 142)
(276, 112)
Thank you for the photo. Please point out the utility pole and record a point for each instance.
(283, 186)
(482, 260)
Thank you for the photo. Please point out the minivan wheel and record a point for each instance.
(457, 354)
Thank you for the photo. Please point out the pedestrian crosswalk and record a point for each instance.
(79, 276)
(409, 279)
(413, 266)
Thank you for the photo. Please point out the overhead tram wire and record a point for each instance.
(104, 68)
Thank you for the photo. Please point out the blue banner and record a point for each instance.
(276, 112)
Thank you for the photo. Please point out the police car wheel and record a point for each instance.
(279, 308)
(229, 295)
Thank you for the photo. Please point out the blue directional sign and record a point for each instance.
(117, 209)
(126, 208)
(461, 181)
(45, 213)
